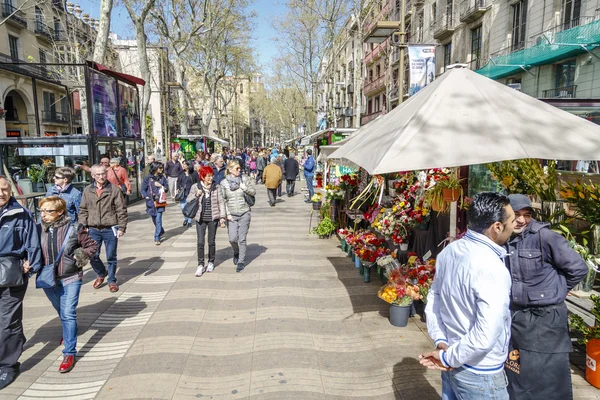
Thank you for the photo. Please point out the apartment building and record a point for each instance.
(39, 90)
(340, 79)
(543, 48)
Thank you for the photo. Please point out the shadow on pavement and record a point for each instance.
(411, 383)
(363, 296)
(253, 251)
(125, 268)
(51, 332)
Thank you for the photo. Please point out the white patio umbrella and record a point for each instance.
(464, 118)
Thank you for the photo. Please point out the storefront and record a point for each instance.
(190, 144)
(113, 117)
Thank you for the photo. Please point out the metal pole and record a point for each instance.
(402, 45)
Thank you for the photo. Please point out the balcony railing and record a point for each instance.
(24, 68)
(471, 10)
(60, 4)
(18, 16)
(565, 92)
(394, 93)
(374, 85)
(59, 35)
(55, 117)
(350, 89)
(42, 30)
(381, 16)
(444, 26)
(77, 117)
(365, 119)
(376, 52)
(548, 35)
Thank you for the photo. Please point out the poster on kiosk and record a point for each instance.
(422, 67)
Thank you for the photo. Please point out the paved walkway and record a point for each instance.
(298, 323)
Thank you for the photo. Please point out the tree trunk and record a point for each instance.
(140, 36)
(103, 31)
(183, 104)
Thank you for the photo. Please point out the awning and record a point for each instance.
(197, 137)
(314, 136)
(130, 79)
(216, 139)
(464, 118)
(552, 47)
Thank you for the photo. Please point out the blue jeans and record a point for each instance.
(182, 204)
(309, 185)
(64, 299)
(461, 384)
(109, 239)
(158, 229)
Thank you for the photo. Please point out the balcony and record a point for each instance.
(77, 117)
(43, 31)
(444, 27)
(18, 17)
(548, 35)
(377, 52)
(365, 119)
(195, 121)
(381, 16)
(374, 86)
(394, 93)
(53, 117)
(565, 92)
(59, 4)
(350, 89)
(60, 36)
(348, 112)
(24, 68)
(472, 10)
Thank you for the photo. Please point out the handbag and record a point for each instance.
(250, 200)
(191, 208)
(161, 199)
(46, 277)
(11, 271)
(121, 185)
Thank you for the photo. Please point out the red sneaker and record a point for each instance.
(67, 364)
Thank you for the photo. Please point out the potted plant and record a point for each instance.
(36, 174)
(590, 336)
(317, 201)
(325, 228)
(400, 294)
(451, 188)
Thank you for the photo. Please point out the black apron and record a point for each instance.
(538, 366)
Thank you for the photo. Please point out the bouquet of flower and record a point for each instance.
(343, 233)
(333, 192)
(586, 199)
(526, 176)
(2, 113)
(317, 197)
(348, 181)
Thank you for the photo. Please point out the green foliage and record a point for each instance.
(36, 173)
(526, 176)
(578, 324)
(325, 228)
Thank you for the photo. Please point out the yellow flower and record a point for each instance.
(581, 195)
(507, 181)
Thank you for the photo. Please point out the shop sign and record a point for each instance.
(422, 67)
(13, 133)
(50, 134)
(323, 142)
(336, 137)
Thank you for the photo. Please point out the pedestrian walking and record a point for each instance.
(19, 242)
(172, 171)
(272, 176)
(58, 233)
(253, 165)
(467, 306)
(261, 164)
(219, 169)
(211, 213)
(309, 173)
(279, 163)
(184, 184)
(65, 190)
(543, 268)
(236, 189)
(291, 173)
(104, 211)
(154, 190)
(118, 176)
(150, 159)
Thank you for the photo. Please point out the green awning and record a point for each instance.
(562, 45)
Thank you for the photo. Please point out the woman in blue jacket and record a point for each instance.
(151, 192)
(65, 190)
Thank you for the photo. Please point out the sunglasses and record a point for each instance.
(47, 211)
(58, 177)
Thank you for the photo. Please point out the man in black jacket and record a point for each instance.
(543, 268)
(292, 169)
(19, 242)
(172, 171)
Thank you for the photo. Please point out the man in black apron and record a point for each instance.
(543, 268)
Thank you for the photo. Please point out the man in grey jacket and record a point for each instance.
(543, 268)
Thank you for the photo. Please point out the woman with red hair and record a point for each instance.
(211, 211)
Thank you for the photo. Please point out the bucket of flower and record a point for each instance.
(317, 201)
(590, 336)
(325, 228)
(343, 233)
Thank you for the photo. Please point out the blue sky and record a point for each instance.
(267, 10)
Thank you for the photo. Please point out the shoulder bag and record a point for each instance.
(46, 277)
(121, 185)
(191, 208)
(250, 200)
(11, 272)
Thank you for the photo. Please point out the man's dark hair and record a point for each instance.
(309, 152)
(486, 208)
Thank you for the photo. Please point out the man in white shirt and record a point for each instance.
(467, 310)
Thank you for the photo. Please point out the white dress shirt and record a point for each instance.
(467, 306)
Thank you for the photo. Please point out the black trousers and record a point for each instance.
(259, 173)
(290, 186)
(12, 337)
(201, 228)
(272, 193)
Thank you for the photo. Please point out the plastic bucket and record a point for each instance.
(592, 362)
(399, 315)
(356, 261)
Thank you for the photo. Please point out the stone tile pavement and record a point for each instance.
(297, 323)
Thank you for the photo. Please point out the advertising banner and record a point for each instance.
(130, 112)
(422, 67)
(104, 102)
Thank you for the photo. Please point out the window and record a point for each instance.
(378, 69)
(434, 12)
(241, 88)
(370, 106)
(370, 75)
(571, 11)
(377, 104)
(43, 59)
(475, 47)
(519, 26)
(13, 44)
(39, 16)
(447, 54)
(565, 74)
(49, 106)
